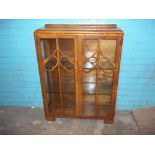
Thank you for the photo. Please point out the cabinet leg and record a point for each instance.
(50, 118)
(109, 120)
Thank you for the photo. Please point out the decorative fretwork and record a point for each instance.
(99, 62)
(58, 55)
(93, 58)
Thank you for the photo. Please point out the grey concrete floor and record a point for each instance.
(29, 121)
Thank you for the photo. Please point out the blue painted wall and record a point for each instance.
(19, 78)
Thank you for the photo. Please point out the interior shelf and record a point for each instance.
(88, 110)
(68, 109)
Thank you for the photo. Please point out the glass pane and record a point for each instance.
(98, 64)
(48, 47)
(107, 60)
(59, 66)
(89, 76)
(67, 47)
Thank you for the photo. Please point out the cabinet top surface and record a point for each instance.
(81, 27)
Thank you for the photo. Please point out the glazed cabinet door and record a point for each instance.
(98, 65)
(58, 63)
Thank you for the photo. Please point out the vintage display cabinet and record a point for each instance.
(79, 68)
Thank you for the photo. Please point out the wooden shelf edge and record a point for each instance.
(81, 26)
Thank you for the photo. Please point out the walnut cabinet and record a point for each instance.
(79, 68)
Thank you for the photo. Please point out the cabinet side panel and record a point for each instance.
(116, 75)
(42, 76)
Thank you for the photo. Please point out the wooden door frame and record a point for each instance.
(109, 118)
(38, 39)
